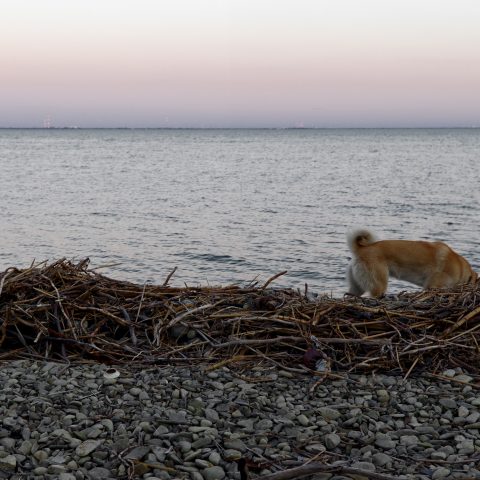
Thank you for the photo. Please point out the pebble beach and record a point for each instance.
(75, 422)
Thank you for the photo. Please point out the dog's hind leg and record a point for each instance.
(379, 282)
(354, 288)
(438, 280)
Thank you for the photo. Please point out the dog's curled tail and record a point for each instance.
(359, 238)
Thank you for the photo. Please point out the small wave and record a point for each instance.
(104, 214)
(269, 210)
(210, 257)
(305, 274)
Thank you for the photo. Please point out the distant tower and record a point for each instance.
(47, 122)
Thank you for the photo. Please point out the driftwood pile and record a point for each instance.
(67, 311)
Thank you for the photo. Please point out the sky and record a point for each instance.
(240, 63)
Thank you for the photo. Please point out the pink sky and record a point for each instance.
(258, 63)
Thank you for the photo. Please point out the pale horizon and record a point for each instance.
(233, 64)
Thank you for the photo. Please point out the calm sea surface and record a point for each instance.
(233, 205)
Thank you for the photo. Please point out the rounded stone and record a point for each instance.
(231, 455)
(67, 476)
(214, 473)
(408, 440)
(87, 447)
(214, 458)
(385, 442)
(329, 413)
(332, 440)
(303, 420)
(448, 403)
(440, 472)
(8, 463)
(381, 459)
(99, 473)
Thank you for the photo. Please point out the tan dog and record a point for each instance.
(427, 264)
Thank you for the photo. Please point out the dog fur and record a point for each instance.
(426, 264)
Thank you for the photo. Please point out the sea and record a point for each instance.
(233, 206)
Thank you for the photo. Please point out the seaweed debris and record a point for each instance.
(67, 311)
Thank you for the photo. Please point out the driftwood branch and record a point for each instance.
(297, 339)
(170, 275)
(312, 468)
(271, 279)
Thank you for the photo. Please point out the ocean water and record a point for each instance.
(233, 206)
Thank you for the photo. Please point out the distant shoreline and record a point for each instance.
(241, 128)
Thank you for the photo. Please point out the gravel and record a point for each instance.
(74, 423)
